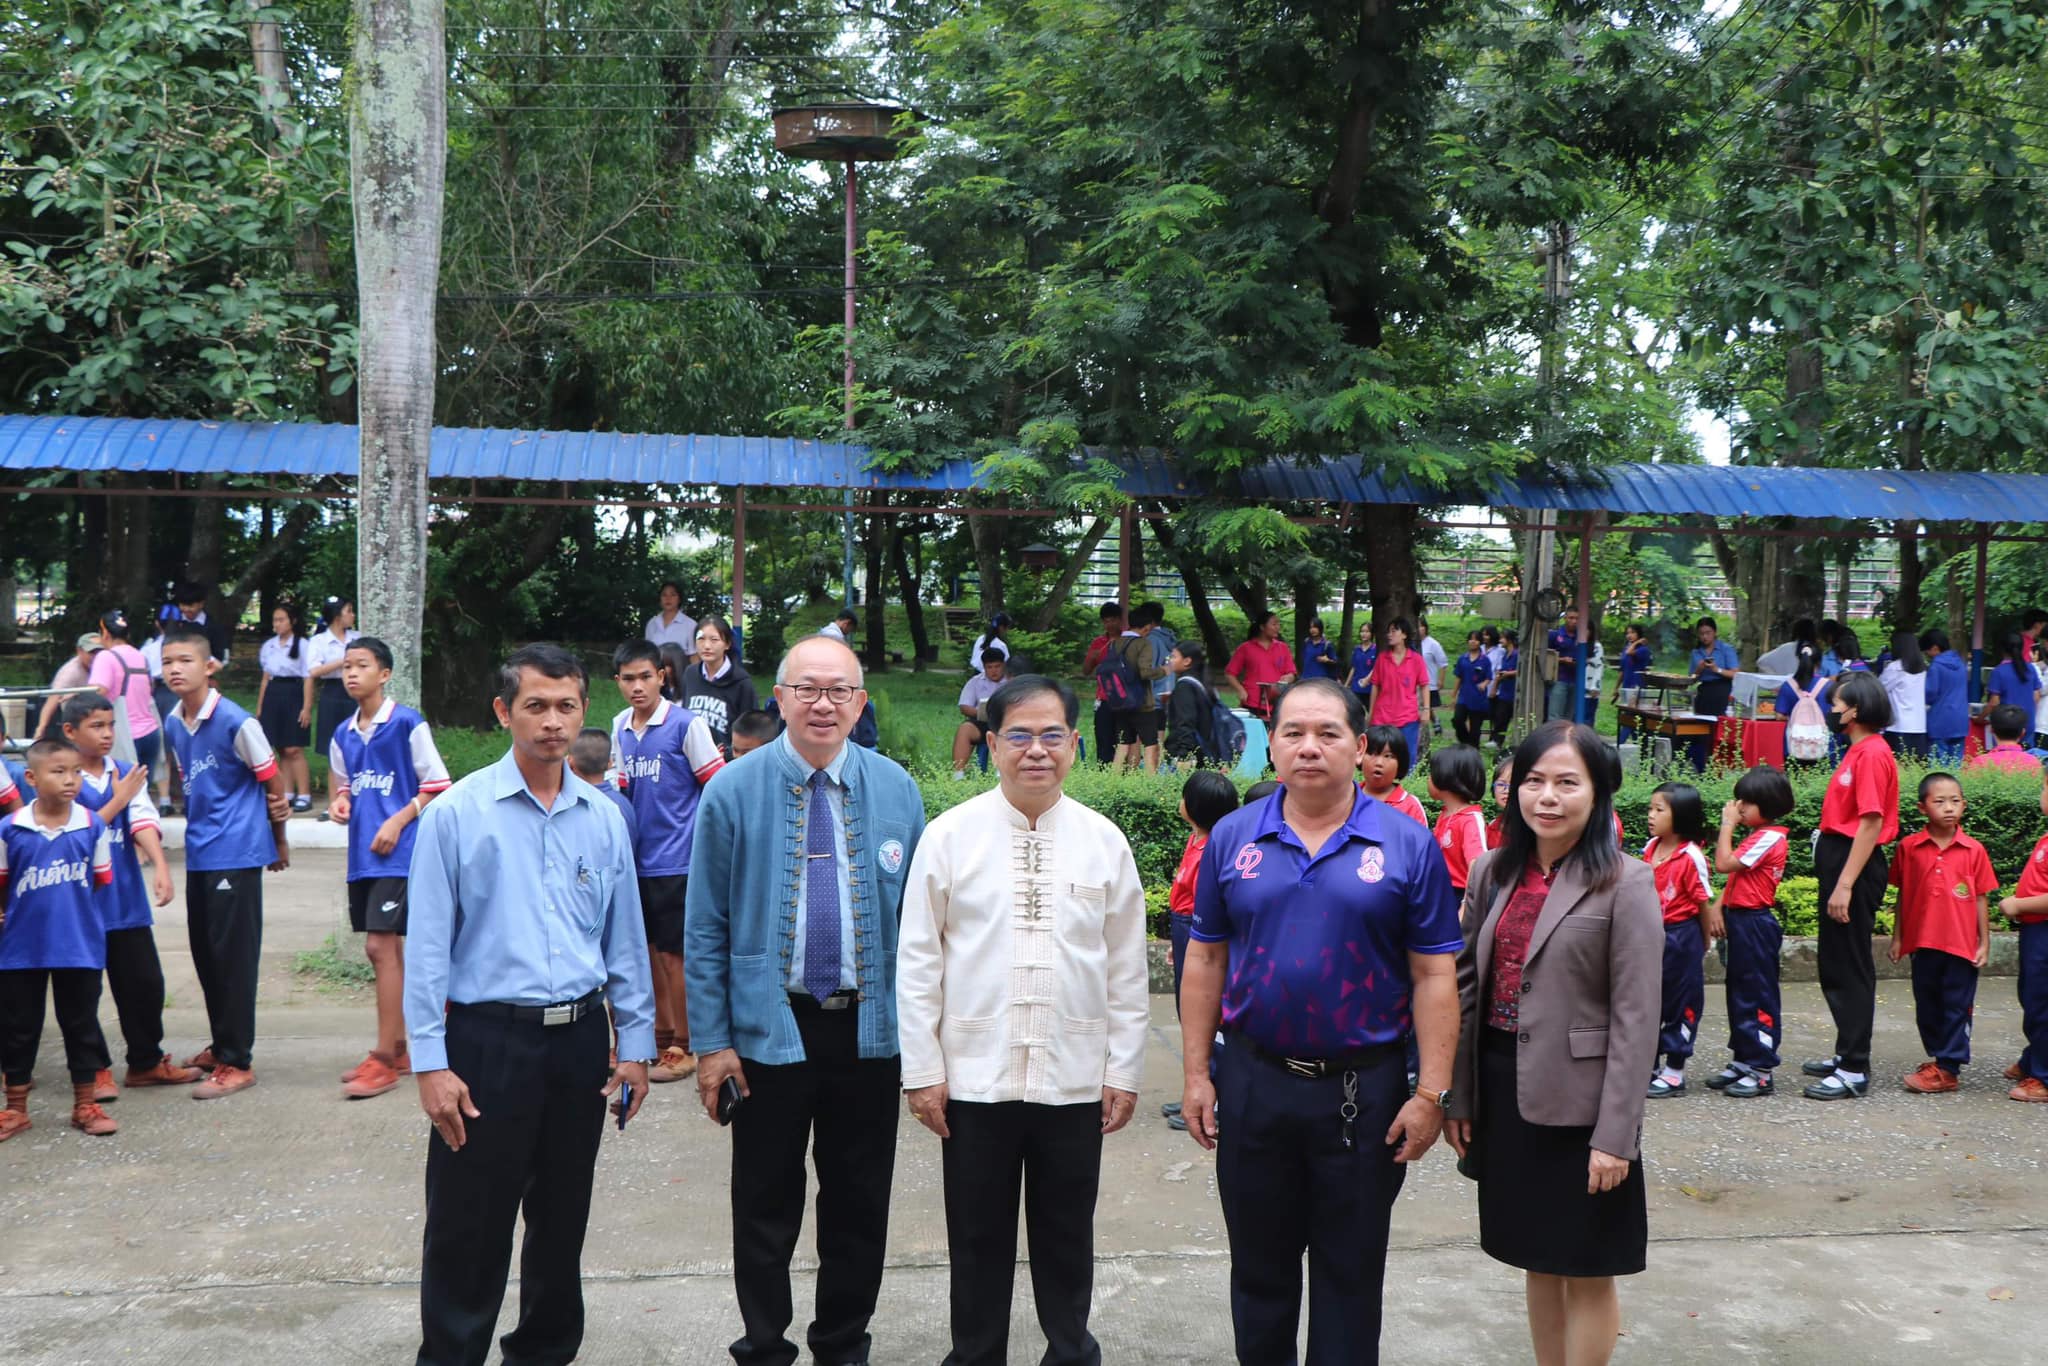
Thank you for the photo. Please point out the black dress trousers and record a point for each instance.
(1053, 1153)
(843, 1109)
(532, 1150)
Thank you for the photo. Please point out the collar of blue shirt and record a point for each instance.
(836, 770)
(1363, 823)
(508, 781)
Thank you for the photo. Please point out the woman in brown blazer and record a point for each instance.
(1559, 987)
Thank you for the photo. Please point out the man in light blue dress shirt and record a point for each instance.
(525, 919)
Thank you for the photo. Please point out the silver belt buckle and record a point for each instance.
(835, 1003)
(1303, 1067)
(558, 1015)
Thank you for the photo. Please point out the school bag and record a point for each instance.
(1806, 729)
(1117, 678)
(1223, 739)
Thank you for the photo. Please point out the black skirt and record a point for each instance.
(279, 717)
(333, 706)
(1534, 1212)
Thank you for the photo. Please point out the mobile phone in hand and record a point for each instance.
(730, 1099)
(625, 1102)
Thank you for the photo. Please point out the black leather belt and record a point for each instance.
(566, 1012)
(1318, 1067)
(843, 999)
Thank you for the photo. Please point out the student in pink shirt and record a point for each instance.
(2009, 725)
(1400, 685)
(120, 672)
(1261, 666)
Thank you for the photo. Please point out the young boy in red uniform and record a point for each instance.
(1745, 916)
(1944, 920)
(1205, 798)
(2027, 908)
(1677, 825)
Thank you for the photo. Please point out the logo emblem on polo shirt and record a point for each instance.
(1372, 864)
(892, 855)
(1846, 779)
(1248, 861)
(1962, 889)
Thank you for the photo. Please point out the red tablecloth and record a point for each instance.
(1763, 742)
(1973, 743)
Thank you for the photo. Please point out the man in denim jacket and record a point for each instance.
(796, 886)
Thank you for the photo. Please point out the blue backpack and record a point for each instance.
(1224, 740)
(1122, 688)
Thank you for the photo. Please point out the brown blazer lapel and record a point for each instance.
(1566, 891)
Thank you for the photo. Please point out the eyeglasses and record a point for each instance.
(808, 693)
(1022, 739)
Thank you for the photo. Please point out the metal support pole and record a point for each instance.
(1126, 533)
(1585, 619)
(1977, 621)
(846, 518)
(739, 569)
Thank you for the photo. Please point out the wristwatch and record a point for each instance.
(1442, 1098)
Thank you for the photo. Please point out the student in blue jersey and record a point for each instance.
(235, 813)
(118, 792)
(55, 866)
(1325, 930)
(382, 769)
(664, 754)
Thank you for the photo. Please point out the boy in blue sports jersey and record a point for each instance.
(383, 771)
(663, 754)
(55, 866)
(118, 792)
(235, 811)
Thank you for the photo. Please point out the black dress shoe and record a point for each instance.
(1748, 1088)
(1725, 1078)
(1170, 1109)
(1819, 1067)
(1832, 1087)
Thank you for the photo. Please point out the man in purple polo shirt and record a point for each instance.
(1325, 928)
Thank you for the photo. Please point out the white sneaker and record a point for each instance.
(959, 775)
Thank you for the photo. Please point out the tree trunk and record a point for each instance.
(1048, 613)
(1845, 558)
(988, 562)
(913, 599)
(1958, 606)
(134, 585)
(256, 574)
(1305, 610)
(398, 156)
(1344, 636)
(203, 549)
(874, 549)
(1387, 532)
(1211, 630)
(1138, 592)
(10, 606)
(1906, 606)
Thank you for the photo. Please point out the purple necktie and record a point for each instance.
(821, 895)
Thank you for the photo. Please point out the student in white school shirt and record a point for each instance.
(1022, 1008)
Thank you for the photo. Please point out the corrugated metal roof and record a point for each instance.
(312, 450)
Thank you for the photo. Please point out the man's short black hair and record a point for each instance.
(1148, 614)
(590, 753)
(1459, 770)
(994, 654)
(756, 725)
(1353, 704)
(1209, 796)
(1768, 790)
(1933, 639)
(1934, 780)
(2009, 722)
(846, 614)
(48, 748)
(188, 593)
(1112, 611)
(183, 632)
(633, 652)
(373, 647)
(80, 705)
(549, 661)
(1023, 688)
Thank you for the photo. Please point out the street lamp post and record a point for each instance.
(849, 133)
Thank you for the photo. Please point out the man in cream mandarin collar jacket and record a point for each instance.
(1022, 1000)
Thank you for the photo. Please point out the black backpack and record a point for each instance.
(1122, 688)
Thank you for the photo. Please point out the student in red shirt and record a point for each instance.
(1457, 780)
(1745, 916)
(1678, 823)
(1386, 764)
(1859, 816)
(1259, 667)
(1503, 788)
(1944, 921)
(1106, 721)
(1205, 798)
(2027, 908)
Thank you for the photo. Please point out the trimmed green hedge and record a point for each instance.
(2004, 812)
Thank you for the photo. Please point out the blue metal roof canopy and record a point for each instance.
(87, 445)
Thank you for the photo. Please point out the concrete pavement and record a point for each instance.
(284, 1224)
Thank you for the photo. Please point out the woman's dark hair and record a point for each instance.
(296, 618)
(667, 584)
(1198, 667)
(1354, 709)
(1934, 639)
(1865, 696)
(675, 662)
(1802, 672)
(375, 648)
(1848, 649)
(2015, 652)
(1510, 637)
(721, 626)
(1315, 623)
(331, 609)
(1389, 740)
(1768, 790)
(1934, 780)
(1258, 624)
(549, 661)
(1803, 632)
(1475, 637)
(1642, 630)
(1596, 855)
(1260, 790)
(1023, 688)
(1405, 627)
(1688, 812)
(115, 624)
(1491, 636)
(1210, 796)
(1830, 631)
(1458, 770)
(1906, 650)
